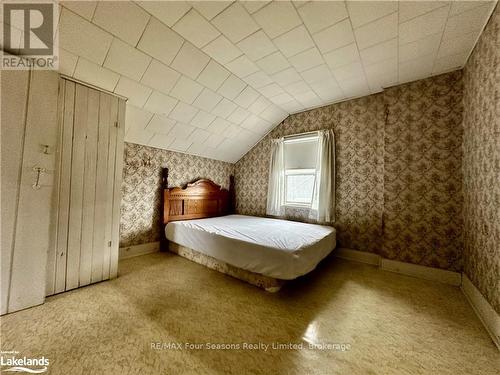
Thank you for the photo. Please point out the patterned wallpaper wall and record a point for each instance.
(140, 220)
(423, 128)
(481, 145)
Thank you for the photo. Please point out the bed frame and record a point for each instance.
(200, 199)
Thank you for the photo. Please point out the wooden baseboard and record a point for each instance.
(421, 272)
(136, 250)
(485, 312)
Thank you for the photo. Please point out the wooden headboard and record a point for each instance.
(199, 199)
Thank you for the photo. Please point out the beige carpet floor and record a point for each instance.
(386, 323)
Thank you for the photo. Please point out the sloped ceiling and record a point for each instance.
(211, 78)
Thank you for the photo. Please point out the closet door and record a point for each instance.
(90, 172)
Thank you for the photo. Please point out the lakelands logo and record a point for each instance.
(28, 35)
(10, 363)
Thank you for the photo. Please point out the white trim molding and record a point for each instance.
(488, 316)
(136, 250)
(422, 272)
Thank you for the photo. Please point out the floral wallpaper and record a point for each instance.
(398, 161)
(140, 220)
(481, 167)
(422, 172)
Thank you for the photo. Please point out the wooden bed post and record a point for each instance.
(232, 196)
(164, 200)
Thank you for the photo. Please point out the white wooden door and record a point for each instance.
(85, 248)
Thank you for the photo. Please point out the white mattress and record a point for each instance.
(276, 248)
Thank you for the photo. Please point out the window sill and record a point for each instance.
(297, 205)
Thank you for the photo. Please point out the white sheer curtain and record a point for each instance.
(323, 202)
(276, 188)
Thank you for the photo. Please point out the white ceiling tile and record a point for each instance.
(202, 119)
(239, 115)
(126, 20)
(258, 80)
(297, 88)
(259, 105)
(412, 9)
(242, 66)
(328, 93)
(181, 130)
(318, 15)
(379, 52)
(253, 6)
(232, 87)
(377, 31)
(348, 71)
(273, 114)
(214, 140)
(218, 126)
(257, 45)
(190, 61)
(319, 73)
(454, 46)
(197, 149)
(168, 12)
(422, 26)
(183, 112)
(294, 41)
(235, 23)
(126, 60)
(293, 106)
(213, 75)
(139, 136)
(422, 47)
(271, 90)
(161, 141)
(160, 77)
(273, 63)
(136, 118)
(355, 87)
(251, 123)
(363, 12)
(160, 42)
(308, 99)
(467, 22)
(415, 69)
(186, 90)
(180, 144)
(334, 37)
(224, 108)
(160, 124)
(282, 99)
(82, 38)
(207, 100)
(286, 77)
(277, 18)
(136, 93)
(67, 62)
(160, 103)
(232, 131)
(199, 136)
(82, 8)
(450, 62)
(458, 7)
(382, 74)
(222, 50)
(196, 29)
(342, 56)
(247, 97)
(209, 9)
(96, 75)
(307, 59)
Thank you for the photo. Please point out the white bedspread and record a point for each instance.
(276, 248)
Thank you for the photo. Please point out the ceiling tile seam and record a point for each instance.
(487, 20)
(441, 39)
(443, 4)
(374, 20)
(321, 53)
(142, 76)
(143, 31)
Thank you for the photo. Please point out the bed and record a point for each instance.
(265, 252)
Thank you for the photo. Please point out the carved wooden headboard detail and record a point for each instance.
(199, 199)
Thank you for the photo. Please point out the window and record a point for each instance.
(300, 155)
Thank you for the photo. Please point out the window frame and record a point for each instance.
(299, 172)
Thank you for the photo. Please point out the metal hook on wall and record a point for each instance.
(39, 171)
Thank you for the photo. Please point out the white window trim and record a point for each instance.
(291, 172)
